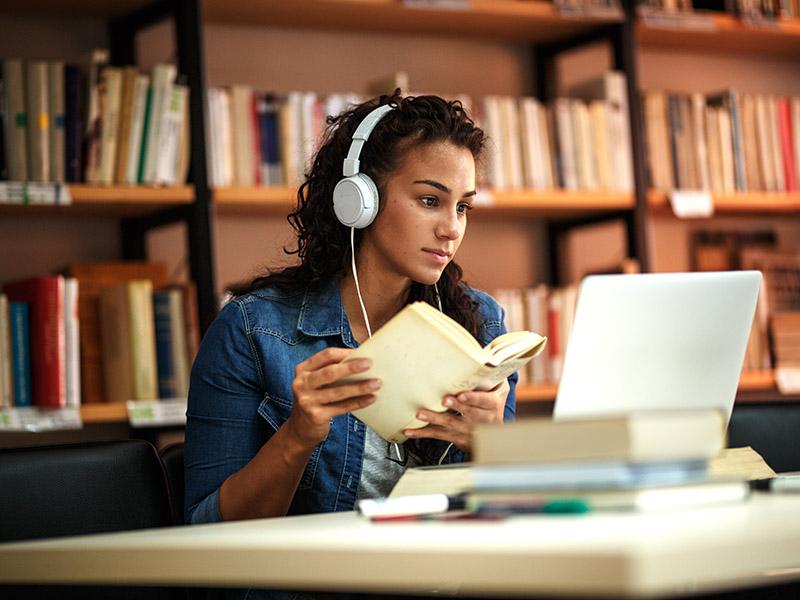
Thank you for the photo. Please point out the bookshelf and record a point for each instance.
(725, 33)
(536, 24)
(518, 203)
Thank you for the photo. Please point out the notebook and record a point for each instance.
(657, 341)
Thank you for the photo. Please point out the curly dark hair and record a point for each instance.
(323, 243)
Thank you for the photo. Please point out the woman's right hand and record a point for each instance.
(317, 399)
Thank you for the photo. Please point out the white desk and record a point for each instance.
(657, 554)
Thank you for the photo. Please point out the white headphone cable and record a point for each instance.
(355, 277)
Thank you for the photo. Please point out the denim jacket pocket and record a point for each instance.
(275, 411)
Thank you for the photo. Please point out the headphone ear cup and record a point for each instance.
(355, 201)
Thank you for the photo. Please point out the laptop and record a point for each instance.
(657, 341)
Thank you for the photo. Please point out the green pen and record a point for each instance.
(566, 506)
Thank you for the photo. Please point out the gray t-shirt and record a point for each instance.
(378, 473)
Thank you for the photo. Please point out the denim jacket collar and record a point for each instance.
(322, 314)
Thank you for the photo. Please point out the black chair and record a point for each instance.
(172, 458)
(773, 430)
(74, 489)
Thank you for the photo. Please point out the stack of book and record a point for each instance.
(639, 461)
(644, 460)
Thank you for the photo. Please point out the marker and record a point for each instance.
(788, 483)
(409, 506)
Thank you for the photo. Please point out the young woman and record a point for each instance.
(269, 432)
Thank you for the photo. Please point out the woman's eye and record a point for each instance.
(464, 208)
(429, 200)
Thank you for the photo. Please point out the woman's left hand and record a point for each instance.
(465, 410)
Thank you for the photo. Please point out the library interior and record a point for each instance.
(634, 209)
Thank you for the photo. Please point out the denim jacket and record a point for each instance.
(240, 394)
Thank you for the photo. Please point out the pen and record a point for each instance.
(409, 506)
(783, 483)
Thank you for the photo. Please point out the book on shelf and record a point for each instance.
(421, 355)
(45, 299)
(6, 357)
(636, 437)
(92, 123)
(728, 142)
(92, 279)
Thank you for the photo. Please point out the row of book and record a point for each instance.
(97, 124)
(580, 143)
(104, 332)
(775, 337)
(749, 10)
(726, 143)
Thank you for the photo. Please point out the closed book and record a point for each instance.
(671, 497)
(38, 105)
(21, 354)
(129, 76)
(127, 322)
(92, 279)
(242, 130)
(3, 126)
(6, 371)
(163, 79)
(270, 141)
(110, 98)
(421, 355)
(170, 132)
(96, 62)
(167, 387)
(72, 342)
(787, 145)
(17, 132)
(74, 107)
(636, 437)
(45, 298)
(586, 475)
(57, 120)
(133, 155)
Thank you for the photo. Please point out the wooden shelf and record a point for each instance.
(524, 203)
(485, 19)
(727, 34)
(104, 413)
(87, 8)
(757, 381)
(110, 201)
(747, 203)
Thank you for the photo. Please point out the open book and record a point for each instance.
(421, 355)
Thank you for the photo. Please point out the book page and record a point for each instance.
(444, 479)
(739, 463)
(514, 344)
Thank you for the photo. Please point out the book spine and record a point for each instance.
(45, 296)
(21, 364)
(6, 354)
(3, 125)
(109, 116)
(142, 340)
(17, 138)
(73, 125)
(39, 122)
(787, 149)
(57, 132)
(72, 341)
(167, 387)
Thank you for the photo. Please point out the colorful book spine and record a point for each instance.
(21, 356)
(167, 387)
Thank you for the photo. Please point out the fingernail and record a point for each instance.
(375, 384)
(422, 416)
(448, 401)
(363, 364)
(462, 397)
(408, 433)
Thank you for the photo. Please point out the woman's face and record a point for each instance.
(423, 213)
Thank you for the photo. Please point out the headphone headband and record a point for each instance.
(362, 132)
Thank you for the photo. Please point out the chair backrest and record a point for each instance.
(172, 458)
(773, 430)
(84, 488)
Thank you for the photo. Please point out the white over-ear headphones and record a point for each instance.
(355, 197)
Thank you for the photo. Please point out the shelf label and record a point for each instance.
(156, 413)
(787, 379)
(692, 204)
(30, 193)
(34, 419)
